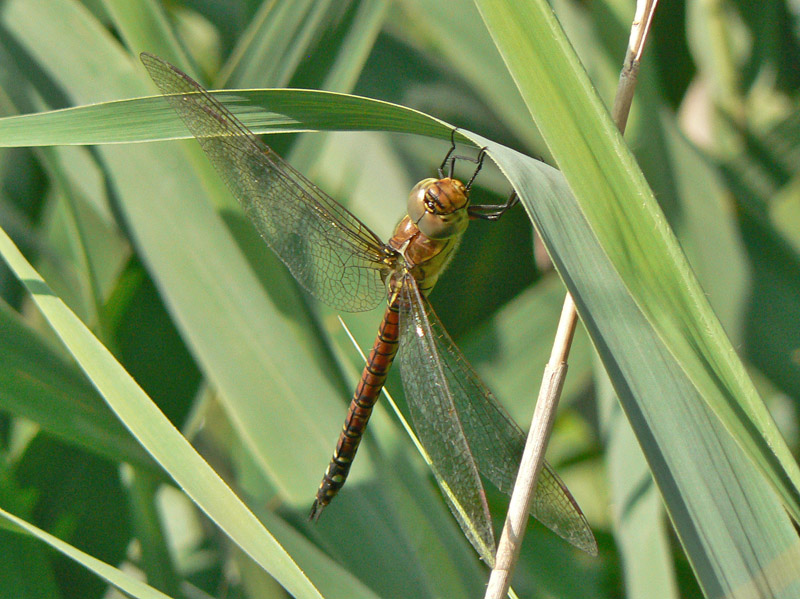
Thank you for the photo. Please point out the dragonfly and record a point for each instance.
(340, 261)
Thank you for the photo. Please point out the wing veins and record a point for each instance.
(328, 249)
(497, 442)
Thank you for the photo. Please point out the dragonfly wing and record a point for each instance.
(437, 424)
(496, 442)
(327, 249)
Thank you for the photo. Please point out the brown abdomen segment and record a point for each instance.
(369, 387)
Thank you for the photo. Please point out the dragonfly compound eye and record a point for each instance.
(438, 207)
(431, 203)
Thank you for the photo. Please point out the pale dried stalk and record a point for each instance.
(556, 369)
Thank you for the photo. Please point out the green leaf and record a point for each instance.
(156, 434)
(127, 583)
(263, 111)
(246, 324)
(671, 364)
(610, 240)
(40, 385)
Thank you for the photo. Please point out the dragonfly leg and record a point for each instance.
(483, 212)
(447, 156)
(490, 212)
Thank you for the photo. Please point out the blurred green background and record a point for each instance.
(714, 127)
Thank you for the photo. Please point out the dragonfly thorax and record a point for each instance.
(439, 207)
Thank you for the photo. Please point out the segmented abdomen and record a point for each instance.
(369, 387)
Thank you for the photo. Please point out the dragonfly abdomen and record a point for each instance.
(369, 388)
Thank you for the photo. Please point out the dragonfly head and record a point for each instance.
(439, 207)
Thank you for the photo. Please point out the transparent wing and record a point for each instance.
(436, 423)
(495, 442)
(328, 250)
